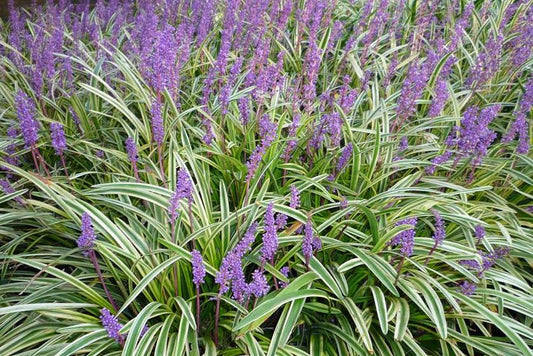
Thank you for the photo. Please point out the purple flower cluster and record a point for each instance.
(58, 137)
(231, 273)
(310, 242)
(270, 236)
(412, 89)
(295, 197)
(475, 136)
(183, 191)
(111, 324)
(158, 131)
(468, 288)
(285, 272)
(521, 125)
(440, 159)
(8, 189)
(29, 126)
(487, 260)
(479, 232)
(131, 148)
(87, 237)
(343, 161)
(291, 145)
(198, 268)
(405, 238)
(267, 132)
(440, 230)
(259, 285)
(441, 95)
(487, 63)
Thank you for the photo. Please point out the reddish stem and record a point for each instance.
(94, 260)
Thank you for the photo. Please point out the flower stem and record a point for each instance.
(400, 265)
(217, 314)
(94, 260)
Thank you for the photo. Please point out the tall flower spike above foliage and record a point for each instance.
(440, 231)
(87, 237)
(475, 136)
(131, 148)
(158, 131)
(267, 131)
(295, 197)
(307, 243)
(58, 137)
(183, 191)
(343, 161)
(270, 237)
(111, 325)
(29, 126)
(479, 232)
(198, 268)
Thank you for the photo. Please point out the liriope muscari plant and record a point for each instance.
(266, 178)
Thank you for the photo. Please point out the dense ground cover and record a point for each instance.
(267, 178)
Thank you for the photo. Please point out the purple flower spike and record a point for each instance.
(131, 148)
(158, 131)
(8, 189)
(295, 197)
(270, 237)
(267, 131)
(405, 238)
(26, 115)
(307, 243)
(284, 271)
(479, 232)
(58, 137)
(111, 324)
(198, 268)
(468, 288)
(440, 231)
(183, 191)
(87, 237)
(259, 286)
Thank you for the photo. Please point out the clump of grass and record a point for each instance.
(277, 178)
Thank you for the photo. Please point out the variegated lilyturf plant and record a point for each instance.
(266, 177)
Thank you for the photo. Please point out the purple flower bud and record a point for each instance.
(58, 137)
(441, 95)
(468, 288)
(198, 268)
(281, 221)
(438, 160)
(183, 191)
(487, 63)
(26, 115)
(259, 285)
(131, 148)
(440, 231)
(284, 271)
(87, 237)
(267, 131)
(158, 131)
(295, 197)
(111, 324)
(405, 238)
(479, 232)
(270, 237)
(472, 264)
(307, 243)
(8, 189)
